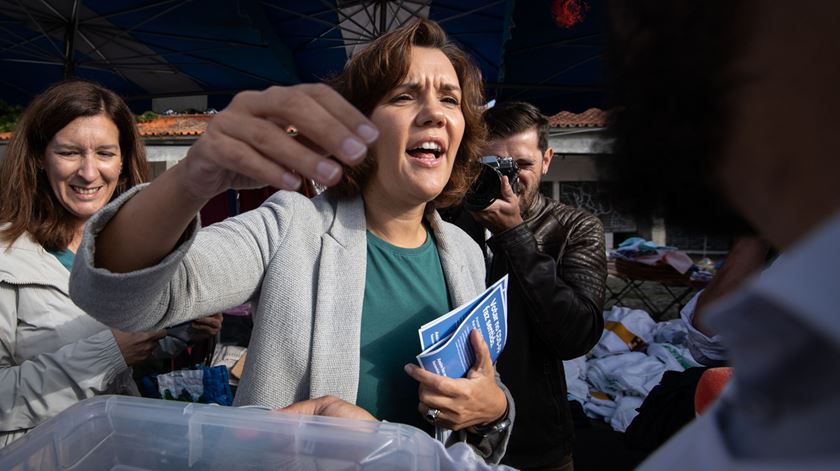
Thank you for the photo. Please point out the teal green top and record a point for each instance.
(65, 257)
(404, 289)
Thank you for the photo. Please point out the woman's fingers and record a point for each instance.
(311, 145)
(483, 364)
(437, 392)
(271, 142)
(240, 158)
(317, 112)
(307, 407)
(328, 406)
(440, 384)
(247, 145)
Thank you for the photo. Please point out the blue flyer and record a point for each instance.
(441, 328)
(452, 354)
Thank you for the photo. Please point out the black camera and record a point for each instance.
(488, 187)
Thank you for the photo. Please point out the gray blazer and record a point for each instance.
(301, 261)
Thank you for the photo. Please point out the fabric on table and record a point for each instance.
(600, 404)
(673, 332)
(640, 376)
(679, 260)
(575, 372)
(601, 372)
(674, 357)
(650, 253)
(709, 351)
(625, 330)
(626, 409)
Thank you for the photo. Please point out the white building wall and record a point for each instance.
(179, 104)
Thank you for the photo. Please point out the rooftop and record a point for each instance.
(175, 126)
(591, 118)
(193, 125)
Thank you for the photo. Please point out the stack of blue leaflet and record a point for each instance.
(445, 342)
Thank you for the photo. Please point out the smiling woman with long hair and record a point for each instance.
(341, 281)
(75, 149)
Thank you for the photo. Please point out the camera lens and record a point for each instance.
(486, 189)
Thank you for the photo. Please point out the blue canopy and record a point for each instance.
(155, 48)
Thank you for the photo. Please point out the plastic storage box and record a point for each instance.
(129, 433)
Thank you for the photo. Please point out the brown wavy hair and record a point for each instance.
(379, 68)
(27, 202)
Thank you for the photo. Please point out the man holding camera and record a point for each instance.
(556, 260)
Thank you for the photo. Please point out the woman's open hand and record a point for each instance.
(473, 400)
(329, 406)
(247, 146)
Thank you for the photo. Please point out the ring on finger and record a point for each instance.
(432, 415)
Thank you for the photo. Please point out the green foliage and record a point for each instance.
(146, 117)
(9, 115)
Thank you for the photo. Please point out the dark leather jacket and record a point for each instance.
(557, 266)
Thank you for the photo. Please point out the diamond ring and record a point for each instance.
(432, 414)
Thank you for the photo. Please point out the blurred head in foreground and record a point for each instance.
(725, 112)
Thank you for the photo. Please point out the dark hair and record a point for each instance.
(380, 67)
(27, 202)
(513, 117)
(673, 83)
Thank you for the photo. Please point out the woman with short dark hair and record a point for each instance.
(375, 71)
(342, 281)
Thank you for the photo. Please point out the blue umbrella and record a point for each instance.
(155, 48)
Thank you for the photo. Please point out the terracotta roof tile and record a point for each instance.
(164, 126)
(591, 118)
(196, 124)
(180, 125)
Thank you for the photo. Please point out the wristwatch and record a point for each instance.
(493, 427)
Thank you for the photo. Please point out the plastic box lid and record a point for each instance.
(131, 433)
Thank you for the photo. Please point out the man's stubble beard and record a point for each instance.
(525, 199)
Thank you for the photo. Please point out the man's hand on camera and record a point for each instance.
(503, 214)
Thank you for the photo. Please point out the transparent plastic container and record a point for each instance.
(129, 433)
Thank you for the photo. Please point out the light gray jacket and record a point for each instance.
(52, 354)
(302, 261)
